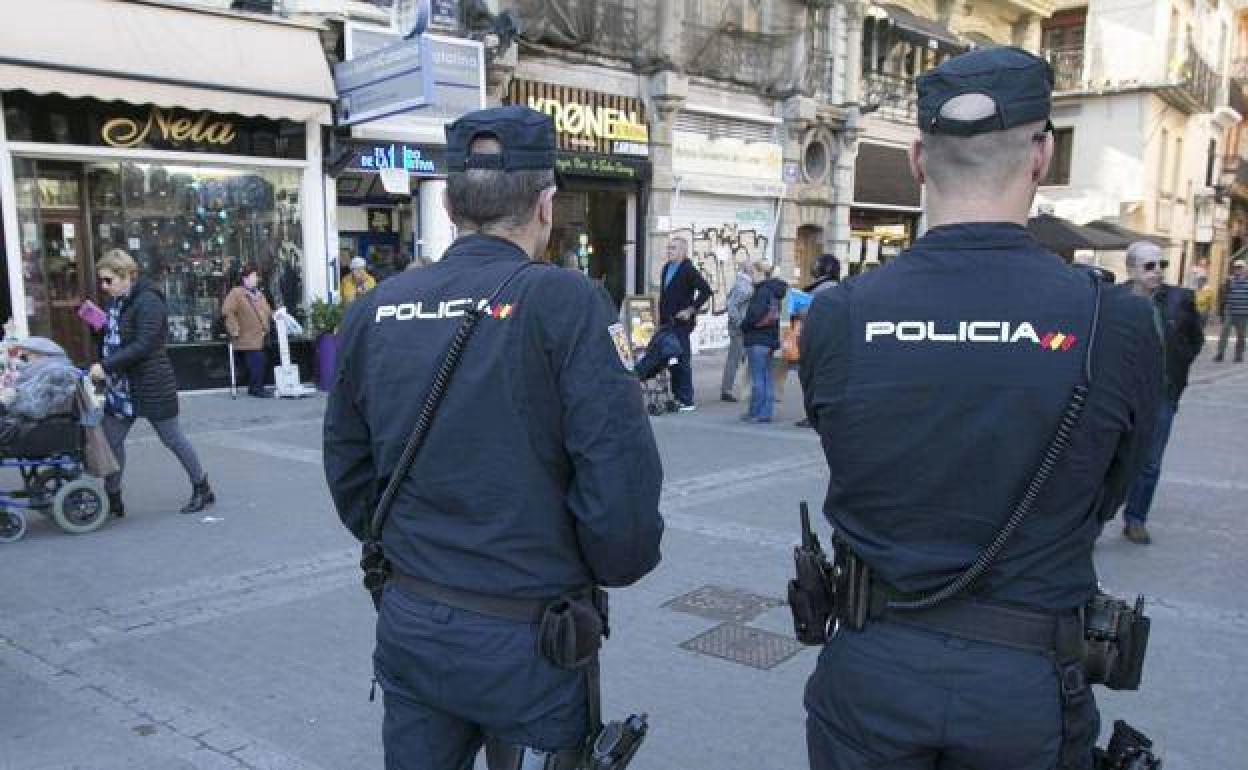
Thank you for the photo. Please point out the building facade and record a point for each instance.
(895, 42)
(1142, 138)
(136, 126)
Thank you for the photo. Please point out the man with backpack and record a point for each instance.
(738, 303)
(1182, 334)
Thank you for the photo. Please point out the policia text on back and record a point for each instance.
(1106, 647)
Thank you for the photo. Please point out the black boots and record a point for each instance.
(115, 506)
(201, 498)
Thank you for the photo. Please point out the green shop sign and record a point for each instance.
(582, 164)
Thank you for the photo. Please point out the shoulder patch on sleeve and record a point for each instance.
(622, 346)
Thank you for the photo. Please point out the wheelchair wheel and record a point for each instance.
(42, 489)
(12, 526)
(80, 506)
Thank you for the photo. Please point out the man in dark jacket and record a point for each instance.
(1183, 336)
(683, 295)
(538, 479)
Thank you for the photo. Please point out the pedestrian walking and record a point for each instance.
(356, 283)
(761, 333)
(1233, 310)
(247, 320)
(936, 382)
(1183, 336)
(827, 274)
(684, 292)
(536, 479)
(138, 376)
(738, 303)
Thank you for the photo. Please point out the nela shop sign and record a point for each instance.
(167, 127)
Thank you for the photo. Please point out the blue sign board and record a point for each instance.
(457, 73)
(390, 80)
(418, 160)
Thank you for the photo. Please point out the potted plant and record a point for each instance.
(324, 319)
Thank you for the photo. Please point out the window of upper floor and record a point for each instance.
(1065, 30)
(1063, 155)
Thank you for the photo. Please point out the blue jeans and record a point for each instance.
(1140, 495)
(255, 360)
(762, 399)
(682, 372)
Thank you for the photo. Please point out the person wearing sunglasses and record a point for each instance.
(1182, 335)
(138, 375)
(1233, 311)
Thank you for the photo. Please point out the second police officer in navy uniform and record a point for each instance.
(538, 479)
(936, 383)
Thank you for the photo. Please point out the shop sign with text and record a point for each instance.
(727, 166)
(55, 119)
(580, 164)
(588, 121)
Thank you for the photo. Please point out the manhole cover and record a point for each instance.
(747, 646)
(723, 604)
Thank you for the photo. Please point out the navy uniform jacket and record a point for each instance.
(540, 474)
(937, 381)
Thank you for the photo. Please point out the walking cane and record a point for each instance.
(233, 387)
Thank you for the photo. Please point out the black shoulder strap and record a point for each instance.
(1022, 509)
(437, 391)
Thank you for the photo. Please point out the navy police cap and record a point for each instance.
(526, 135)
(1019, 83)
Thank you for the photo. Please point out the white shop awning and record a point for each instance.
(170, 57)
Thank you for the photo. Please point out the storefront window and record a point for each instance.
(190, 228)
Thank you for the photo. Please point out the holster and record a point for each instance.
(377, 570)
(1116, 637)
(572, 628)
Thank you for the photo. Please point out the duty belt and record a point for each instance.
(978, 621)
(503, 608)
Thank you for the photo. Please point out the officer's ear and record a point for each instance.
(546, 206)
(1041, 157)
(915, 156)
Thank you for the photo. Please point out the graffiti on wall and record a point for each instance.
(719, 251)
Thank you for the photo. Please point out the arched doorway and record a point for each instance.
(809, 247)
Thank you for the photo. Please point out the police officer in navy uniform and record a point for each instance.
(540, 475)
(936, 383)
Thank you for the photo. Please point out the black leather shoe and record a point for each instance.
(201, 498)
(728, 397)
(115, 505)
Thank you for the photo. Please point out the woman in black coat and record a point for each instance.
(138, 375)
(760, 331)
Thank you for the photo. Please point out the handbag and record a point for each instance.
(790, 344)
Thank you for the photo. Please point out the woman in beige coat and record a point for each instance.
(247, 318)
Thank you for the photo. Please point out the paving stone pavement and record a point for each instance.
(241, 639)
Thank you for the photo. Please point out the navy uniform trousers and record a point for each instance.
(896, 697)
(452, 677)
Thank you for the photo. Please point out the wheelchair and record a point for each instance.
(50, 456)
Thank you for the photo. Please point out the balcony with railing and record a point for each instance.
(895, 93)
(605, 27)
(1067, 64)
(1192, 85)
(727, 52)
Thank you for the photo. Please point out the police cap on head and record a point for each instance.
(1018, 83)
(527, 138)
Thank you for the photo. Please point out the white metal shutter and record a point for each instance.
(723, 232)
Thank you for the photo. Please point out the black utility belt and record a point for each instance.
(1108, 635)
(570, 628)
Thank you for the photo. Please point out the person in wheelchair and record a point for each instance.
(45, 387)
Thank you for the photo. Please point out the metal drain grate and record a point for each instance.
(748, 646)
(723, 604)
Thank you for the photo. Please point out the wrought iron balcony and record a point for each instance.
(1067, 64)
(607, 27)
(1192, 86)
(895, 94)
(732, 54)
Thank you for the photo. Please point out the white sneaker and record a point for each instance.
(688, 408)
